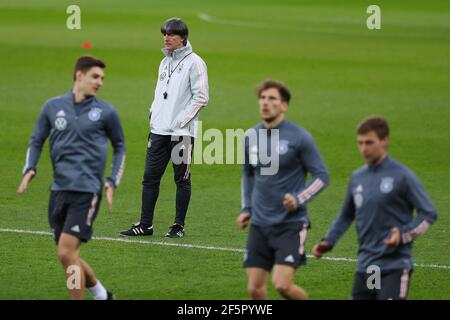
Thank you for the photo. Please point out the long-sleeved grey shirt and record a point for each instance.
(380, 197)
(79, 134)
(295, 155)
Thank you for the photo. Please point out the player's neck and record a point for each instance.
(78, 95)
(273, 123)
(380, 159)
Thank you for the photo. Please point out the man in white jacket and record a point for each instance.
(181, 91)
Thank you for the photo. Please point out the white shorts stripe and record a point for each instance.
(303, 235)
(404, 280)
(92, 209)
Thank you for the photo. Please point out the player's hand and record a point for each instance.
(109, 191)
(243, 219)
(290, 202)
(394, 239)
(25, 181)
(320, 248)
(182, 121)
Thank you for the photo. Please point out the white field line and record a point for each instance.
(358, 30)
(360, 21)
(194, 246)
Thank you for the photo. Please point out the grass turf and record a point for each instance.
(338, 71)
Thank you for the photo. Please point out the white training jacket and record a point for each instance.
(181, 91)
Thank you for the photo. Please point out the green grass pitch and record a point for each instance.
(338, 71)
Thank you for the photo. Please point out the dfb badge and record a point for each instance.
(283, 147)
(387, 184)
(94, 114)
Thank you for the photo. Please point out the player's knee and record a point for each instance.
(66, 255)
(282, 287)
(184, 183)
(151, 180)
(257, 293)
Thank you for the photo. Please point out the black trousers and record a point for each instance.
(160, 150)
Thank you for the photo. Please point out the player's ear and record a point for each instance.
(384, 142)
(78, 75)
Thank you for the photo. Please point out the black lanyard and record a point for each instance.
(172, 71)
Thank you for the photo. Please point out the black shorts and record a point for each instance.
(73, 213)
(278, 244)
(394, 285)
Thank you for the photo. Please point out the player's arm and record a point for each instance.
(115, 134)
(312, 160)
(40, 133)
(247, 185)
(25, 181)
(198, 78)
(339, 226)
(426, 213)
(159, 92)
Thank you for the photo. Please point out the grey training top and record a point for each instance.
(263, 194)
(381, 197)
(79, 134)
